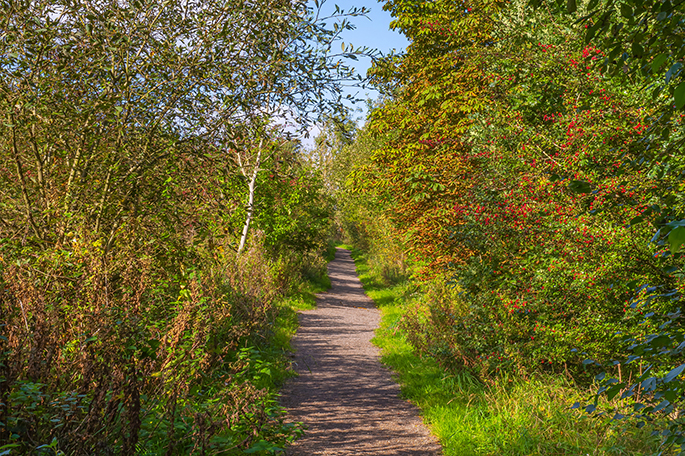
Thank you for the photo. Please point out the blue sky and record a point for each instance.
(373, 32)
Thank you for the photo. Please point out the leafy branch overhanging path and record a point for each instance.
(343, 393)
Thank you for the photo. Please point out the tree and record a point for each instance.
(292, 80)
(641, 43)
(118, 201)
(508, 164)
(420, 170)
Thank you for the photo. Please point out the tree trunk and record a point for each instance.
(250, 200)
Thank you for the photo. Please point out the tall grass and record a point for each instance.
(98, 372)
(492, 415)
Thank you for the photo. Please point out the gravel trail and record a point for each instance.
(343, 393)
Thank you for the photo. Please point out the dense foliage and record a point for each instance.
(518, 157)
(137, 143)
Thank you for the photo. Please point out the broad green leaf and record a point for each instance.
(679, 95)
(614, 390)
(676, 238)
(661, 341)
(676, 223)
(577, 186)
(571, 6)
(673, 373)
(658, 62)
(649, 384)
(662, 405)
(626, 10)
(261, 446)
(674, 70)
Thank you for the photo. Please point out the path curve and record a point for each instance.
(343, 393)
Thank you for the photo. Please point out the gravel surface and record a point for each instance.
(343, 394)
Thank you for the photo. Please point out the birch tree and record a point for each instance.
(96, 98)
(295, 82)
(115, 116)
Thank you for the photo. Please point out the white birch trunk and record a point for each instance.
(251, 194)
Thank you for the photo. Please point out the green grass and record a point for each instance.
(304, 299)
(505, 416)
(344, 246)
(270, 365)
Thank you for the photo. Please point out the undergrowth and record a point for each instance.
(213, 392)
(303, 298)
(487, 415)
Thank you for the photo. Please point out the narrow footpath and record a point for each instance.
(343, 394)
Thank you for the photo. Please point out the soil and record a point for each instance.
(343, 394)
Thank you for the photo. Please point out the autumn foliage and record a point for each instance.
(513, 166)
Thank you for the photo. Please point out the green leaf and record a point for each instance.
(571, 6)
(590, 33)
(614, 390)
(675, 69)
(662, 405)
(649, 384)
(676, 223)
(260, 446)
(674, 373)
(661, 341)
(626, 10)
(7, 449)
(658, 62)
(679, 95)
(676, 238)
(577, 186)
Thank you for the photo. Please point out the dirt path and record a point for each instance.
(343, 393)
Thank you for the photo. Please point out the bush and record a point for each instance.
(108, 356)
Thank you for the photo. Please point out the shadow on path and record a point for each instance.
(343, 394)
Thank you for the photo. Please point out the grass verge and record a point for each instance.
(303, 299)
(505, 416)
(272, 360)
